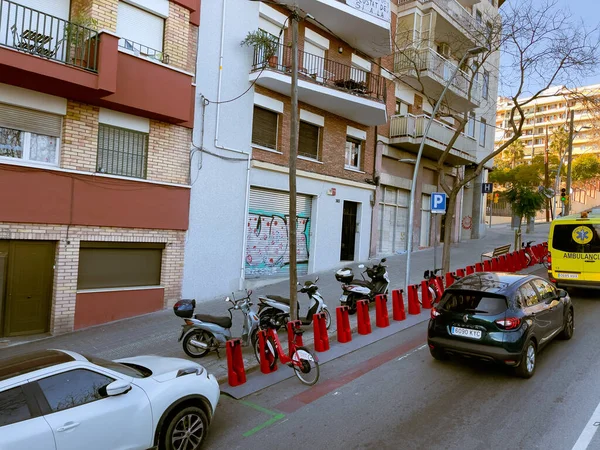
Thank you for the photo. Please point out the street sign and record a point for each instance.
(487, 188)
(438, 203)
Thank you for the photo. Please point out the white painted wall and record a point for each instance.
(326, 229)
(214, 244)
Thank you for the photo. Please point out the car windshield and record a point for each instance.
(472, 302)
(131, 370)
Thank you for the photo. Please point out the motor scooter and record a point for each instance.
(274, 310)
(203, 333)
(354, 289)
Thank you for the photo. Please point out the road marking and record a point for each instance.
(589, 431)
(275, 416)
(414, 351)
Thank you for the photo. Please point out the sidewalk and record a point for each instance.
(157, 333)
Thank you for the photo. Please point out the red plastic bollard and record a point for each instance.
(293, 337)
(382, 319)
(487, 265)
(460, 273)
(470, 270)
(495, 264)
(503, 263)
(440, 284)
(479, 267)
(512, 262)
(236, 374)
(363, 317)
(344, 332)
(449, 279)
(398, 305)
(320, 332)
(266, 357)
(413, 300)
(522, 259)
(426, 299)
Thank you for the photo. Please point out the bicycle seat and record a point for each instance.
(298, 331)
(279, 299)
(222, 321)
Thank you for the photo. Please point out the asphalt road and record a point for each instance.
(392, 394)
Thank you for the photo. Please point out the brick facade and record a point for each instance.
(64, 289)
(176, 43)
(333, 143)
(79, 145)
(168, 153)
(103, 11)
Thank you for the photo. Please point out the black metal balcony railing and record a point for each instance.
(323, 71)
(143, 50)
(31, 31)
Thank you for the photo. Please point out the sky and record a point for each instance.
(588, 10)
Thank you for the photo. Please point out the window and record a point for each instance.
(122, 152)
(308, 142)
(13, 407)
(73, 388)
(264, 127)
(401, 108)
(482, 129)
(353, 152)
(545, 290)
(113, 265)
(29, 135)
(528, 295)
(563, 241)
(461, 302)
(486, 84)
(479, 18)
(140, 31)
(471, 125)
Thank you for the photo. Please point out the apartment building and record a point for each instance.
(238, 234)
(430, 39)
(550, 113)
(96, 111)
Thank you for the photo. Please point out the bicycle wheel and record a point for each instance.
(545, 262)
(306, 366)
(270, 350)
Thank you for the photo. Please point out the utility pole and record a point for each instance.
(546, 177)
(567, 206)
(294, 131)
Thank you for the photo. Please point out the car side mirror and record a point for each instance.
(361, 266)
(562, 293)
(118, 387)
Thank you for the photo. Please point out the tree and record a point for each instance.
(585, 167)
(525, 202)
(513, 155)
(559, 141)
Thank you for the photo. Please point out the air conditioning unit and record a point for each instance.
(444, 49)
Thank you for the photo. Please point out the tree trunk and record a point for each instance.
(449, 226)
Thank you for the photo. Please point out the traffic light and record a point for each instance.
(563, 194)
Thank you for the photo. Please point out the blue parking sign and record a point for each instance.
(438, 203)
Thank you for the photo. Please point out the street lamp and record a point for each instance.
(411, 206)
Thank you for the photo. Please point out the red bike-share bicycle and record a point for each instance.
(304, 362)
(531, 258)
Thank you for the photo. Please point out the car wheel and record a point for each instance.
(569, 326)
(528, 363)
(438, 354)
(186, 430)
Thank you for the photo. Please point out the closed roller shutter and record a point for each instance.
(267, 246)
(141, 27)
(29, 120)
(393, 220)
(56, 8)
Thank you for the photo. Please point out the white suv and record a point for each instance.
(61, 400)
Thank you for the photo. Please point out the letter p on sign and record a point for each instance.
(438, 203)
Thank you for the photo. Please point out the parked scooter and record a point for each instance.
(354, 289)
(274, 310)
(203, 333)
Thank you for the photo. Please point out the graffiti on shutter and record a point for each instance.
(267, 243)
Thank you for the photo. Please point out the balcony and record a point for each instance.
(406, 131)
(433, 71)
(363, 25)
(340, 89)
(45, 53)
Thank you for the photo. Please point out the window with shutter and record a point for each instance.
(122, 152)
(308, 142)
(140, 31)
(264, 128)
(353, 153)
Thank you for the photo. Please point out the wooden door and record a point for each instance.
(29, 287)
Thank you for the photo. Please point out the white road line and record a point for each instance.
(589, 431)
(414, 351)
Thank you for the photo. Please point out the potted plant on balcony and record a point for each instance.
(265, 46)
(78, 31)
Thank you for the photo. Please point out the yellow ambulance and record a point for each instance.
(574, 250)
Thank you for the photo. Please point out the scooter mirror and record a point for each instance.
(316, 279)
(361, 266)
(383, 260)
(249, 292)
(227, 299)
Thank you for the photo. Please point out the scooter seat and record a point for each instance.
(277, 298)
(222, 321)
(360, 283)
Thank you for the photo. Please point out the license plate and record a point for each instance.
(343, 298)
(567, 275)
(466, 332)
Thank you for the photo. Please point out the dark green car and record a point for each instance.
(500, 317)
